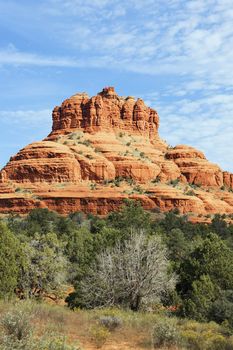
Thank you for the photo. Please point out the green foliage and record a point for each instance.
(204, 336)
(220, 226)
(80, 249)
(89, 156)
(207, 271)
(130, 217)
(165, 333)
(86, 142)
(117, 181)
(174, 182)
(44, 271)
(142, 155)
(93, 186)
(38, 250)
(99, 335)
(56, 342)
(201, 299)
(130, 180)
(156, 180)
(178, 246)
(138, 189)
(16, 324)
(221, 310)
(211, 257)
(190, 193)
(10, 256)
(16, 329)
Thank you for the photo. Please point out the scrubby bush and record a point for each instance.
(17, 329)
(93, 186)
(156, 180)
(130, 181)
(110, 322)
(174, 182)
(138, 189)
(117, 181)
(86, 143)
(204, 336)
(166, 333)
(142, 154)
(56, 343)
(130, 274)
(99, 335)
(190, 193)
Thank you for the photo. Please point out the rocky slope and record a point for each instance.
(105, 149)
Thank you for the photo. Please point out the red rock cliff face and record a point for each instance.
(104, 112)
(103, 150)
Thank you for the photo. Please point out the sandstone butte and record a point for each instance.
(104, 149)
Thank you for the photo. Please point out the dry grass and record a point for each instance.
(77, 326)
(83, 329)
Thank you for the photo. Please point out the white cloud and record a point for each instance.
(11, 56)
(205, 123)
(189, 43)
(155, 37)
(26, 118)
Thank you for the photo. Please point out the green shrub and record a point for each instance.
(86, 142)
(73, 136)
(190, 193)
(204, 336)
(17, 329)
(129, 180)
(118, 180)
(89, 156)
(93, 186)
(18, 189)
(142, 154)
(166, 333)
(174, 182)
(99, 335)
(156, 180)
(138, 189)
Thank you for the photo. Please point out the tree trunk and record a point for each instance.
(134, 305)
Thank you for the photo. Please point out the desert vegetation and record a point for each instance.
(162, 280)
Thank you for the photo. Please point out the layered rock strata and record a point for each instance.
(103, 150)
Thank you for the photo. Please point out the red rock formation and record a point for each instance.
(106, 111)
(43, 162)
(228, 179)
(195, 167)
(104, 149)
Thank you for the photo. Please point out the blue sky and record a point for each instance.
(177, 55)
